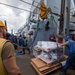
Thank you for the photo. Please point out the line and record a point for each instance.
(29, 3)
(17, 8)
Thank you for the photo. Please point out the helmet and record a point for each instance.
(67, 37)
(2, 24)
(12, 35)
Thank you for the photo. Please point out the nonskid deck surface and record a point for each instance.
(23, 62)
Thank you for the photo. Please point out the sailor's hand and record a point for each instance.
(57, 43)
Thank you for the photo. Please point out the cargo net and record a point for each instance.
(49, 52)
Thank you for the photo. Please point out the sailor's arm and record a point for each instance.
(11, 67)
(9, 61)
(62, 44)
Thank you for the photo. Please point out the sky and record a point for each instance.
(15, 18)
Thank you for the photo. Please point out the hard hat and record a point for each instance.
(2, 24)
(67, 37)
(12, 35)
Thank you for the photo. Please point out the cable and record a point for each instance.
(56, 14)
(36, 2)
(36, 32)
(29, 3)
(38, 7)
(17, 7)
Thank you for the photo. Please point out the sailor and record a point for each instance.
(8, 64)
(22, 43)
(71, 53)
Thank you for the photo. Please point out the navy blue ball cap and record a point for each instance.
(67, 37)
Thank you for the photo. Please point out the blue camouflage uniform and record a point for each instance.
(71, 55)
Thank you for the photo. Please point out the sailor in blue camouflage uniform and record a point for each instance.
(71, 53)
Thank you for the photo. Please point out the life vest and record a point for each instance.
(2, 69)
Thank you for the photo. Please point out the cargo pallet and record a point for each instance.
(43, 68)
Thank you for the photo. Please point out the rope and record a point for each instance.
(17, 8)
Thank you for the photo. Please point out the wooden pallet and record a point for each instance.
(42, 68)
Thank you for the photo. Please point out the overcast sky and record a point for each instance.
(15, 18)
